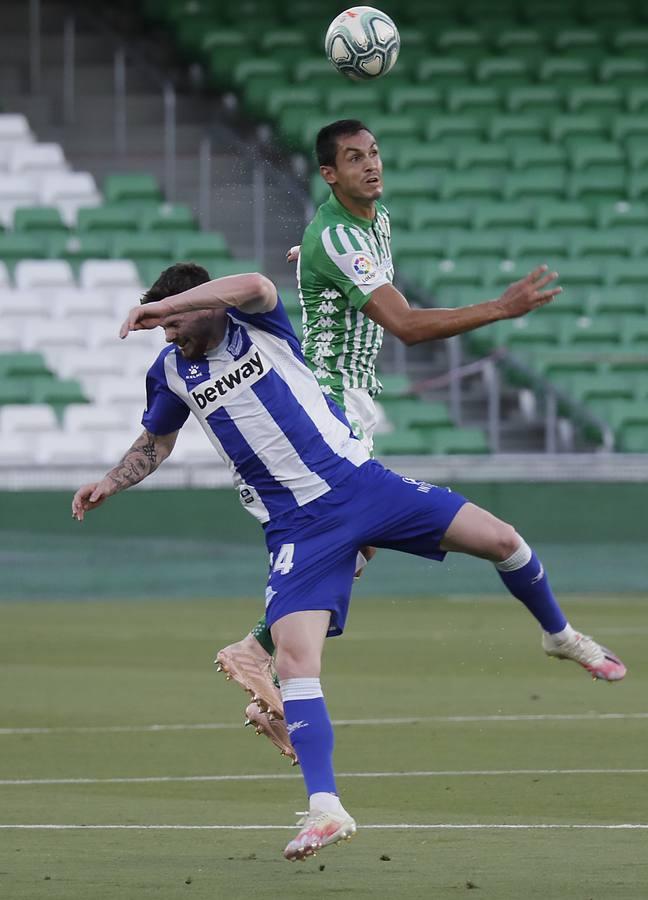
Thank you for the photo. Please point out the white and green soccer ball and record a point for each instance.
(362, 42)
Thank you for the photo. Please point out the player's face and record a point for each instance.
(194, 332)
(358, 167)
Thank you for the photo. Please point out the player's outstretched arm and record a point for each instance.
(143, 458)
(390, 309)
(252, 293)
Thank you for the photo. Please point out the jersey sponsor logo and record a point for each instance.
(363, 266)
(246, 371)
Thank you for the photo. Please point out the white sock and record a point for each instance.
(566, 634)
(326, 803)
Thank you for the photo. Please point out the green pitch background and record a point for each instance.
(83, 666)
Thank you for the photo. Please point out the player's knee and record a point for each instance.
(507, 541)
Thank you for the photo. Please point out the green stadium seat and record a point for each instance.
(476, 186)
(527, 41)
(597, 99)
(501, 71)
(150, 269)
(441, 215)
(220, 267)
(394, 386)
(638, 186)
(415, 99)
(530, 185)
(454, 130)
(400, 126)
(131, 187)
(283, 44)
(584, 43)
(624, 127)
(629, 217)
(443, 72)
(153, 245)
(564, 71)
(76, 248)
(434, 158)
(448, 441)
(516, 130)
(483, 157)
(201, 245)
(598, 244)
(542, 10)
(107, 219)
(627, 271)
(292, 97)
(449, 277)
(58, 393)
(410, 184)
(612, 15)
(257, 79)
(543, 159)
(565, 127)
(299, 132)
(223, 48)
(637, 99)
(594, 334)
(168, 217)
(465, 42)
(622, 301)
(581, 273)
(406, 413)
(631, 42)
(474, 245)
(503, 216)
(600, 157)
(597, 187)
(544, 245)
(531, 330)
(400, 443)
(23, 365)
(345, 100)
(479, 102)
(13, 392)
(639, 245)
(18, 245)
(624, 73)
(534, 100)
(563, 215)
(41, 220)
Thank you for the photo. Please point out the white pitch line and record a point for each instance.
(410, 720)
(622, 826)
(433, 773)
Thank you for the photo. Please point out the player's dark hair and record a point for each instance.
(327, 138)
(176, 279)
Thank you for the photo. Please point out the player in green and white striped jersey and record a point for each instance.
(345, 276)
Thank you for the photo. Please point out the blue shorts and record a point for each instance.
(313, 550)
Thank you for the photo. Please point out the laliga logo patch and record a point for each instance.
(363, 266)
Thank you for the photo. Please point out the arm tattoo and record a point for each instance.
(137, 463)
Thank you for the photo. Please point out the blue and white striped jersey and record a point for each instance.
(263, 411)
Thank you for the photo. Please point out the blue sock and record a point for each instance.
(311, 732)
(524, 576)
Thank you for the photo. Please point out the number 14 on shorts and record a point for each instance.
(284, 561)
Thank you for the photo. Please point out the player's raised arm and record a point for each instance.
(389, 308)
(252, 292)
(143, 458)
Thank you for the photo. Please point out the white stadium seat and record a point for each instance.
(16, 450)
(86, 362)
(79, 417)
(119, 391)
(37, 160)
(20, 303)
(193, 446)
(109, 273)
(51, 336)
(4, 275)
(63, 448)
(43, 273)
(27, 418)
(13, 332)
(15, 127)
(72, 301)
(15, 191)
(69, 191)
(114, 444)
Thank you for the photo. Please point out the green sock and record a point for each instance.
(262, 633)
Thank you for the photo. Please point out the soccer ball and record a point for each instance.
(362, 42)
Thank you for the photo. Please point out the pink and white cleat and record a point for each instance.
(318, 829)
(599, 661)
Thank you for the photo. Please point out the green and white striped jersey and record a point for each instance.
(343, 259)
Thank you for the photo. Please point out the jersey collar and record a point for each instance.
(340, 210)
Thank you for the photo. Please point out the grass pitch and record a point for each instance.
(113, 715)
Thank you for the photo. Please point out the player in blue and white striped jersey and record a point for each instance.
(236, 364)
